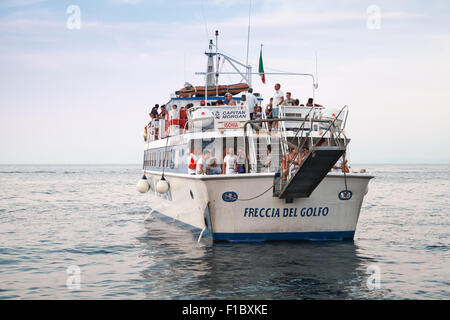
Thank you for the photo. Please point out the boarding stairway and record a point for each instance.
(313, 166)
(311, 172)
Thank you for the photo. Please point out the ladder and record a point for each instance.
(312, 169)
(311, 172)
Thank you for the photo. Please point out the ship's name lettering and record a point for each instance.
(234, 114)
(286, 212)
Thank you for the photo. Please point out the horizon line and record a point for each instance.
(140, 164)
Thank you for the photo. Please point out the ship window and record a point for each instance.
(146, 158)
(198, 146)
(171, 159)
(176, 158)
(165, 159)
(168, 159)
(145, 155)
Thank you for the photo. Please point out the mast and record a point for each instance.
(217, 63)
(248, 45)
(212, 69)
(210, 66)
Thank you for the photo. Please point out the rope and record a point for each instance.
(345, 173)
(257, 195)
(164, 158)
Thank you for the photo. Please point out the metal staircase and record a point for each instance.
(311, 172)
(297, 175)
(314, 166)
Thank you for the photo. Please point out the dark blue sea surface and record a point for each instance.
(55, 217)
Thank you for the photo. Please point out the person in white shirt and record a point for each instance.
(252, 102)
(230, 162)
(278, 98)
(268, 164)
(202, 163)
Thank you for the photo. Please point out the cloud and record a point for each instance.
(132, 2)
(19, 3)
(107, 73)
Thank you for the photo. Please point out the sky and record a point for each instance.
(73, 95)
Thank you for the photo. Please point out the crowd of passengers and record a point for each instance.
(203, 163)
(271, 110)
(200, 163)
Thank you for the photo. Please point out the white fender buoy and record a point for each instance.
(162, 186)
(143, 185)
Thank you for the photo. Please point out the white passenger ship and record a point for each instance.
(269, 200)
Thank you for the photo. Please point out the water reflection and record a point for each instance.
(179, 267)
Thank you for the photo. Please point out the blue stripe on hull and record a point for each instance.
(313, 236)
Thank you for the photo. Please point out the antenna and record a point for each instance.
(217, 63)
(248, 33)
(316, 85)
(248, 37)
(204, 20)
(184, 66)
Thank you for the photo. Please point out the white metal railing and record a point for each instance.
(314, 83)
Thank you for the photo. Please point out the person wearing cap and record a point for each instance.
(229, 99)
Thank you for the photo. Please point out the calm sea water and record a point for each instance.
(54, 217)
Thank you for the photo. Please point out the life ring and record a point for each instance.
(174, 123)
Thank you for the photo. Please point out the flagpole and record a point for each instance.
(261, 66)
(248, 42)
(248, 32)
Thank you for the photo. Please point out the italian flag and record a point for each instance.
(261, 67)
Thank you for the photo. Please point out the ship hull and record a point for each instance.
(243, 208)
